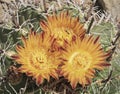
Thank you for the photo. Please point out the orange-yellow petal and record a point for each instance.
(81, 58)
(62, 27)
(35, 57)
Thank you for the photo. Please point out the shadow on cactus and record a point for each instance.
(29, 18)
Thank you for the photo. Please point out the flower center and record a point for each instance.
(39, 59)
(63, 34)
(81, 60)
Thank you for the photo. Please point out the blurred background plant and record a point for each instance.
(18, 17)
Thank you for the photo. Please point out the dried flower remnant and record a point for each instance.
(13, 75)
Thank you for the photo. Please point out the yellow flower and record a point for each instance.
(63, 27)
(35, 58)
(81, 58)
